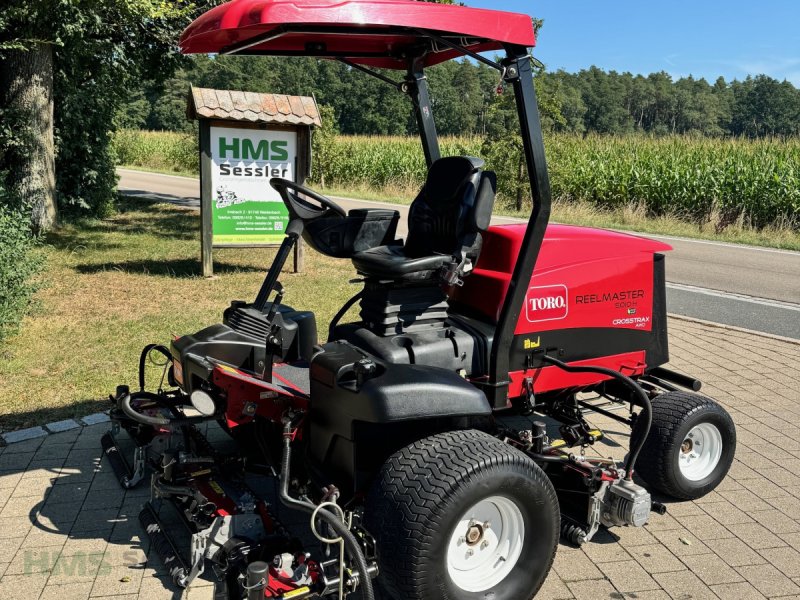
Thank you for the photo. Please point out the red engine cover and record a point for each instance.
(590, 287)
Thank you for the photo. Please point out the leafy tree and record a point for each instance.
(67, 67)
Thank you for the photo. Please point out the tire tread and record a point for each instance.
(416, 480)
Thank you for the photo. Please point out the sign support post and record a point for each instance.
(206, 243)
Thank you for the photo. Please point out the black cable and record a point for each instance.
(338, 316)
(340, 528)
(644, 402)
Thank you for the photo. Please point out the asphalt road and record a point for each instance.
(744, 286)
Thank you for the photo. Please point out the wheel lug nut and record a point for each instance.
(461, 540)
(470, 552)
(484, 545)
(487, 525)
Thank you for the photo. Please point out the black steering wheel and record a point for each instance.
(301, 207)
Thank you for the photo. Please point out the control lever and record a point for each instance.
(452, 275)
(364, 368)
(273, 345)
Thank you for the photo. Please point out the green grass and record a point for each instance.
(116, 284)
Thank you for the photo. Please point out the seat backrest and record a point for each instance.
(453, 207)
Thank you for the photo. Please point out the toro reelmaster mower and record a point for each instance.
(438, 446)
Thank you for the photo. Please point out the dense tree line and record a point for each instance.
(466, 99)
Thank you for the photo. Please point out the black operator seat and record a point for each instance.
(444, 224)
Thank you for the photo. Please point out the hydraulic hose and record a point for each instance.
(641, 396)
(143, 360)
(124, 404)
(338, 526)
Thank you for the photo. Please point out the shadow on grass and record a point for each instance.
(179, 268)
(134, 216)
(76, 409)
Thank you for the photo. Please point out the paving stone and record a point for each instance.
(572, 564)
(756, 535)
(628, 576)
(793, 539)
(705, 527)
(686, 509)
(711, 569)
(128, 555)
(28, 561)
(554, 589)
(593, 590)
(777, 522)
(40, 536)
(64, 438)
(156, 584)
(117, 580)
(75, 546)
(21, 507)
(726, 513)
(199, 593)
(96, 522)
(604, 548)
(735, 552)
(630, 537)
(74, 493)
(788, 505)
(9, 480)
(787, 559)
(684, 585)
(22, 435)
(13, 527)
(768, 580)
(95, 419)
(14, 462)
(78, 568)
(655, 558)
(737, 591)
(745, 500)
(69, 591)
(60, 426)
(22, 587)
(9, 547)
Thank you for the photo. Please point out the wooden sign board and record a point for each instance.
(237, 160)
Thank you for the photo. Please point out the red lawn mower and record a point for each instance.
(436, 447)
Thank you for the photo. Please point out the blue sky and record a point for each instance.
(703, 38)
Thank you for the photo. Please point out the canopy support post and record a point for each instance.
(519, 72)
(416, 86)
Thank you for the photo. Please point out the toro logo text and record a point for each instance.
(546, 303)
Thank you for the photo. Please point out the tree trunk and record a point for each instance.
(26, 93)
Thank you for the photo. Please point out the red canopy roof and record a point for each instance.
(373, 32)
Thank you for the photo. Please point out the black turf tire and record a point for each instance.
(421, 492)
(674, 415)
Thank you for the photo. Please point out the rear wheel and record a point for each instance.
(690, 447)
(462, 515)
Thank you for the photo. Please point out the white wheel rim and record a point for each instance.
(700, 452)
(485, 544)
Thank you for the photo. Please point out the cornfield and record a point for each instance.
(162, 150)
(754, 181)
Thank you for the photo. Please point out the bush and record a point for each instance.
(19, 262)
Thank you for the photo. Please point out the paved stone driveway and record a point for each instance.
(67, 531)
